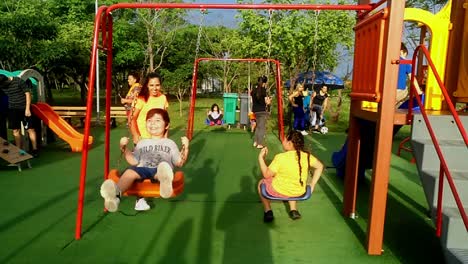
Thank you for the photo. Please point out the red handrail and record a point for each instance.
(443, 164)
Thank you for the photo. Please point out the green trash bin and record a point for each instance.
(230, 102)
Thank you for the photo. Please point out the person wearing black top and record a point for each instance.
(260, 102)
(319, 104)
(19, 108)
(297, 101)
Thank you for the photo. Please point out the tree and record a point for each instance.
(293, 40)
(160, 26)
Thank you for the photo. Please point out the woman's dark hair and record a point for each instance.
(213, 106)
(404, 48)
(298, 142)
(158, 111)
(144, 93)
(260, 81)
(135, 75)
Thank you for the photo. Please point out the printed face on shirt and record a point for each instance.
(156, 126)
(154, 87)
(131, 80)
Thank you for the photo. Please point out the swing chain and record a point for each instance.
(200, 27)
(270, 32)
(314, 58)
(132, 111)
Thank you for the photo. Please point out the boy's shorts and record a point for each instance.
(144, 172)
(15, 117)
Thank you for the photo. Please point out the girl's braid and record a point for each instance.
(298, 142)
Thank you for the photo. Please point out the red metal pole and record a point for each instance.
(439, 202)
(442, 88)
(89, 109)
(241, 6)
(108, 94)
(443, 163)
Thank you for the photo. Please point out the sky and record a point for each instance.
(227, 18)
(215, 16)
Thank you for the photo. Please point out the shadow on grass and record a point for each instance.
(408, 234)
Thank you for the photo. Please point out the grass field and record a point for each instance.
(218, 218)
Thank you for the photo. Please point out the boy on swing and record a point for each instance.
(152, 158)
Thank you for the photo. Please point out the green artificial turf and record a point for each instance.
(218, 219)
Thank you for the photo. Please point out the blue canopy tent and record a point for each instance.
(332, 81)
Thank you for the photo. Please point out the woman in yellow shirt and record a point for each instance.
(287, 174)
(150, 97)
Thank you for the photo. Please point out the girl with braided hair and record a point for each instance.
(287, 174)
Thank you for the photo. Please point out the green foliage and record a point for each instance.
(296, 40)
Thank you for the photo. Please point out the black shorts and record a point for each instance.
(15, 117)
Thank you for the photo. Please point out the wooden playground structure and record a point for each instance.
(378, 38)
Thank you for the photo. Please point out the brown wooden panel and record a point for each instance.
(368, 57)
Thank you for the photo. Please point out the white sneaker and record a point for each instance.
(304, 133)
(165, 175)
(109, 192)
(142, 205)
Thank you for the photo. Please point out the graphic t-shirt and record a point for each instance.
(150, 152)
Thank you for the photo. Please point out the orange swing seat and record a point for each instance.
(148, 189)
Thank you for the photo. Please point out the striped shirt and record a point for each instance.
(15, 90)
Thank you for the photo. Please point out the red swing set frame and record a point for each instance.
(279, 91)
(103, 28)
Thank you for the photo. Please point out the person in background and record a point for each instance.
(150, 97)
(19, 109)
(307, 96)
(296, 98)
(215, 115)
(260, 102)
(3, 115)
(130, 99)
(404, 74)
(319, 103)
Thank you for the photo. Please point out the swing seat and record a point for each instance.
(147, 188)
(303, 197)
(207, 122)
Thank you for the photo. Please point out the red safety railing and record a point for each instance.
(443, 164)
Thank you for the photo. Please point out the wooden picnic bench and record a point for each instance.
(67, 112)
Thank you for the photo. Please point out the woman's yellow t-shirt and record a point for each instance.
(153, 102)
(286, 168)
